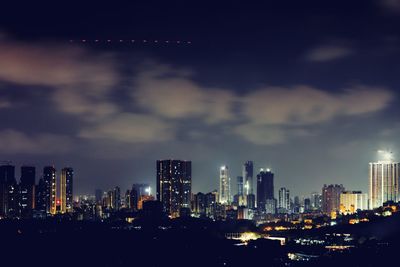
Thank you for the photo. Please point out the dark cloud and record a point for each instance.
(16, 142)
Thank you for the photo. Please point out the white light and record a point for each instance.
(148, 190)
(268, 169)
(386, 155)
(222, 168)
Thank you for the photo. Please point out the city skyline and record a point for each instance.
(382, 156)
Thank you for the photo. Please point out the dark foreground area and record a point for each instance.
(190, 242)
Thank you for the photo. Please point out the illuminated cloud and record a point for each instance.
(164, 98)
(303, 105)
(80, 80)
(390, 5)
(54, 65)
(261, 135)
(75, 102)
(328, 53)
(131, 128)
(173, 95)
(4, 103)
(15, 142)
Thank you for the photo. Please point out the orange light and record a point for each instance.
(308, 221)
(268, 228)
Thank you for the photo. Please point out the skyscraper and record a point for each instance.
(316, 201)
(265, 188)
(66, 189)
(116, 198)
(199, 204)
(283, 200)
(383, 182)
(27, 191)
(211, 204)
(41, 196)
(174, 185)
(331, 198)
(240, 186)
(8, 191)
(249, 184)
(137, 191)
(98, 195)
(49, 178)
(240, 197)
(224, 186)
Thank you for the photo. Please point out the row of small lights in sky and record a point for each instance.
(129, 41)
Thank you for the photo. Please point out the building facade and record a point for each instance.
(383, 183)
(174, 185)
(352, 201)
(284, 200)
(8, 191)
(224, 186)
(265, 188)
(49, 178)
(27, 191)
(248, 174)
(66, 190)
(331, 198)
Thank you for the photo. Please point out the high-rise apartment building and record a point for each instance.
(383, 182)
(41, 196)
(316, 201)
(49, 178)
(283, 200)
(66, 189)
(331, 198)
(27, 191)
(137, 193)
(8, 191)
(174, 185)
(265, 188)
(239, 198)
(248, 174)
(224, 186)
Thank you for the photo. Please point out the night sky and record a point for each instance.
(307, 88)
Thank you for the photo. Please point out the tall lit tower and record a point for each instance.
(283, 200)
(224, 186)
(249, 184)
(265, 189)
(174, 185)
(384, 178)
(66, 189)
(8, 192)
(27, 191)
(49, 177)
(331, 198)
